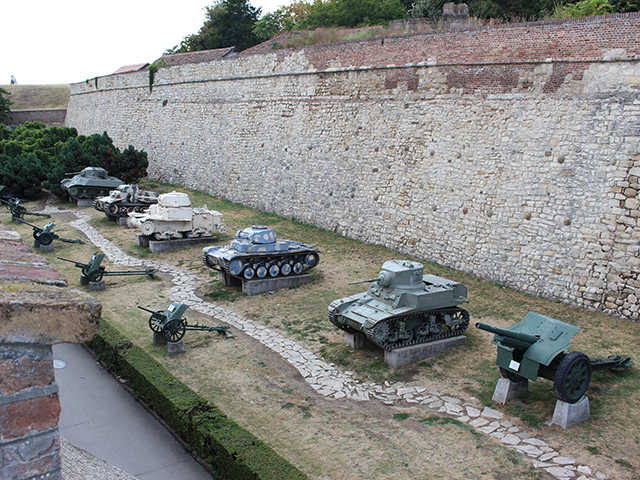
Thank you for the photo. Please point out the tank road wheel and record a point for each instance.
(235, 267)
(261, 271)
(113, 209)
(274, 270)
(147, 228)
(510, 375)
(249, 273)
(174, 330)
(311, 260)
(572, 377)
(154, 324)
(297, 268)
(45, 238)
(222, 228)
(285, 269)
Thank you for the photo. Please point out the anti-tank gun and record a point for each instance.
(17, 210)
(93, 271)
(537, 347)
(171, 324)
(45, 235)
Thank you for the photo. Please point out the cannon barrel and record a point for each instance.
(78, 264)
(526, 338)
(147, 310)
(21, 220)
(374, 279)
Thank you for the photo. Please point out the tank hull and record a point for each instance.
(89, 184)
(125, 200)
(392, 315)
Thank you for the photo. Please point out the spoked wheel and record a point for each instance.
(510, 375)
(154, 324)
(174, 330)
(147, 228)
(572, 377)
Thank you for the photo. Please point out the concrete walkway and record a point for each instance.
(101, 417)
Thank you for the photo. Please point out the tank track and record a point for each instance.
(299, 256)
(123, 209)
(459, 330)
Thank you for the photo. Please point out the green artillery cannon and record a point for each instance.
(45, 235)
(17, 210)
(173, 327)
(93, 271)
(536, 347)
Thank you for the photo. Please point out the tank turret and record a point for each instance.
(257, 252)
(402, 307)
(173, 218)
(90, 183)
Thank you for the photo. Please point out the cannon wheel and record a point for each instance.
(174, 330)
(572, 377)
(45, 238)
(153, 325)
(514, 377)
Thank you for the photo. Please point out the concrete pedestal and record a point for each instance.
(122, 221)
(46, 248)
(228, 280)
(175, 348)
(84, 280)
(401, 357)
(255, 287)
(568, 414)
(95, 286)
(157, 246)
(85, 202)
(507, 390)
(159, 339)
(357, 340)
(142, 240)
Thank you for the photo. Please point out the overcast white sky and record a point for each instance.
(70, 41)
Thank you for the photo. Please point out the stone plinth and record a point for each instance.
(85, 202)
(122, 221)
(256, 287)
(401, 357)
(159, 338)
(357, 340)
(142, 240)
(157, 246)
(507, 390)
(96, 286)
(37, 310)
(175, 348)
(568, 414)
(228, 280)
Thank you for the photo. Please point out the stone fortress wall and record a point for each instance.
(512, 151)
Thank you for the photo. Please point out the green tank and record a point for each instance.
(403, 307)
(90, 183)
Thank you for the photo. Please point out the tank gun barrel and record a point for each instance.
(515, 339)
(374, 279)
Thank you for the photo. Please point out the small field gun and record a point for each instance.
(173, 326)
(45, 235)
(536, 347)
(17, 210)
(93, 271)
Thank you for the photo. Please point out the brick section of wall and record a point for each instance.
(496, 151)
(36, 310)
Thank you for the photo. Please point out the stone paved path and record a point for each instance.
(329, 381)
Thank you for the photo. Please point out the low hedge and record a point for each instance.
(233, 452)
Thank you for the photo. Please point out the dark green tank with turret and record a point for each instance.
(403, 307)
(90, 183)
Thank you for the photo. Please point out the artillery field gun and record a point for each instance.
(256, 252)
(45, 235)
(90, 183)
(173, 218)
(403, 307)
(124, 200)
(13, 205)
(173, 327)
(536, 347)
(93, 271)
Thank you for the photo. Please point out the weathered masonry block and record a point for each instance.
(37, 310)
(511, 151)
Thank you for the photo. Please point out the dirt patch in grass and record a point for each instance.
(340, 439)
